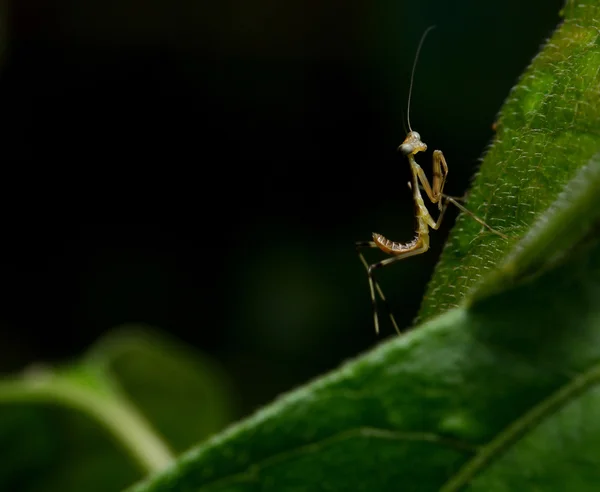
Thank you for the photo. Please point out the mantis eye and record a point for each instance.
(407, 149)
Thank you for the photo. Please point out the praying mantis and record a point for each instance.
(411, 145)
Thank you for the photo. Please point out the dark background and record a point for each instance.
(205, 168)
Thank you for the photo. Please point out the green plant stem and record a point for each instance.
(114, 413)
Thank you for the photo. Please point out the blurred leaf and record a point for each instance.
(184, 394)
(50, 447)
(44, 448)
(547, 128)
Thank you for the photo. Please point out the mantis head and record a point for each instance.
(412, 144)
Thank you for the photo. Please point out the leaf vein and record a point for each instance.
(253, 471)
(519, 428)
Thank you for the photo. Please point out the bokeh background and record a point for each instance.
(205, 168)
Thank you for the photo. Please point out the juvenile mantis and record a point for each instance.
(411, 145)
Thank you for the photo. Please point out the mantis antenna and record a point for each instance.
(412, 75)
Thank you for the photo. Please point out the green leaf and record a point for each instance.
(500, 393)
(76, 427)
(546, 130)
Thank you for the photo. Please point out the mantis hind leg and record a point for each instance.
(370, 272)
(462, 208)
(420, 247)
(374, 286)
